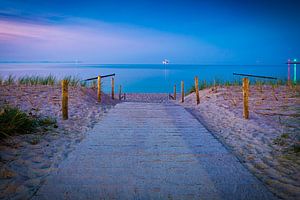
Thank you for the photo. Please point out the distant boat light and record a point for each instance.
(165, 61)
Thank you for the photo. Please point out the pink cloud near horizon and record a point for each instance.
(94, 41)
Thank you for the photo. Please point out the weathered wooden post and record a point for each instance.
(112, 88)
(182, 91)
(289, 70)
(64, 84)
(246, 97)
(99, 89)
(120, 92)
(197, 90)
(174, 92)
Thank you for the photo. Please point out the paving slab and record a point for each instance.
(151, 151)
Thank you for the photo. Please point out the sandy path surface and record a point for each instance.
(151, 151)
(148, 97)
(268, 142)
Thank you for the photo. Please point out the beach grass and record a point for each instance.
(72, 80)
(76, 81)
(259, 83)
(191, 90)
(41, 80)
(37, 80)
(13, 121)
(10, 80)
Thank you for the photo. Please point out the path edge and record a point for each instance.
(200, 119)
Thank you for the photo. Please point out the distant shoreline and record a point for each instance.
(173, 64)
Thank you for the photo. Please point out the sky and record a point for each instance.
(146, 32)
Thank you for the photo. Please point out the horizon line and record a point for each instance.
(96, 63)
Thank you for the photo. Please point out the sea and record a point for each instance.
(149, 78)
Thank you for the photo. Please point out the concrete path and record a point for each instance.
(151, 151)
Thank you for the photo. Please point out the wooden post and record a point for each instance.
(174, 92)
(295, 73)
(289, 71)
(99, 89)
(182, 91)
(64, 84)
(120, 92)
(246, 97)
(197, 90)
(112, 88)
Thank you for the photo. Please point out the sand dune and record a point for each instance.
(267, 143)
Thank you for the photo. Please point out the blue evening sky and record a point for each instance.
(189, 32)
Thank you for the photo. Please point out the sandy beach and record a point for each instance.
(267, 143)
(25, 160)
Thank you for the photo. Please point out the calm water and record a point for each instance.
(146, 78)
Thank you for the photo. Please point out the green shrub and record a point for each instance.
(13, 121)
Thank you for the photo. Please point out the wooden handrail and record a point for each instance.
(250, 75)
(89, 79)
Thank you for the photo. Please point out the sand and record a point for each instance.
(25, 160)
(147, 97)
(265, 143)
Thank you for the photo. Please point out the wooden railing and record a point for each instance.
(245, 90)
(255, 76)
(65, 95)
(90, 79)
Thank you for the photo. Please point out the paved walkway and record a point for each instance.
(151, 151)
